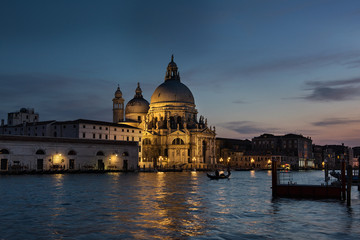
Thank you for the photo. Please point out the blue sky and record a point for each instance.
(254, 66)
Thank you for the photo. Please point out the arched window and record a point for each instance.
(40, 152)
(100, 153)
(4, 151)
(146, 141)
(178, 141)
(71, 152)
(178, 120)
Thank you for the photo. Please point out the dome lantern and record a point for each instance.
(172, 71)
(172, 90)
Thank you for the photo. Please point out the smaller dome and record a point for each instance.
(138, 104)
(118, 93)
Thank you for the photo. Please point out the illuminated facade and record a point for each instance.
(173, 135)
(24, 153)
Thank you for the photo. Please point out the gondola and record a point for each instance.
(221, 176)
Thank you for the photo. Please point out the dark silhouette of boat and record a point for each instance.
(220, 176)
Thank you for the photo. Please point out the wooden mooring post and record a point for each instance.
(343, 180)
(274, 178)
(349, 183)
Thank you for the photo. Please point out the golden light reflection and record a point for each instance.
(165, 202)
(252, 173)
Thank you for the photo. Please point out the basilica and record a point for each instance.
(173, 136)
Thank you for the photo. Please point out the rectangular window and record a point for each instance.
(106, 137)
(115, 129)
(99, 136)
(83, 135)
(100, 128)
(114, 137)
(106, 128)
(132, 130)
(139, 131)
(132, 139)
(127, 130)
(93, 135)
(127, 138)
(93, 127)
(83, 126)
(122, 130)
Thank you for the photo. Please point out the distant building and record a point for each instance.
(335, 154)
(319, 156)
(295, 149)
(25, 115)
(229, 150)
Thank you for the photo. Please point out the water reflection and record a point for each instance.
(173, 206)
(166, 206)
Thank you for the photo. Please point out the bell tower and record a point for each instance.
(118, 106)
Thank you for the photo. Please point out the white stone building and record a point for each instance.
(173, 135)
(24, 153)
(25, 115)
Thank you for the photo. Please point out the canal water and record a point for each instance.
(184, 205)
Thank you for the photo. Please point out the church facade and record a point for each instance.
(173, 135)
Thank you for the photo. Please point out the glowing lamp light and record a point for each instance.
(252, 160)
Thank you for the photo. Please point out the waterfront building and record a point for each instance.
(24, 153)
(173, 135)
(335, 154)
(77, 129)
(297, 148)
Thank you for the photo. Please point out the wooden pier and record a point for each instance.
(292, 190)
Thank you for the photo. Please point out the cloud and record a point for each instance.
(56, 97)
(239, 101)
(348, 59)
(335, 121)
(233, 69)
(334, 90)
(247, 127)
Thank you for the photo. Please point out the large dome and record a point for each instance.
(172, 90)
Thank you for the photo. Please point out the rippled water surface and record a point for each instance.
(183, 205)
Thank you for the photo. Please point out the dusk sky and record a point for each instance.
(253, 66)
